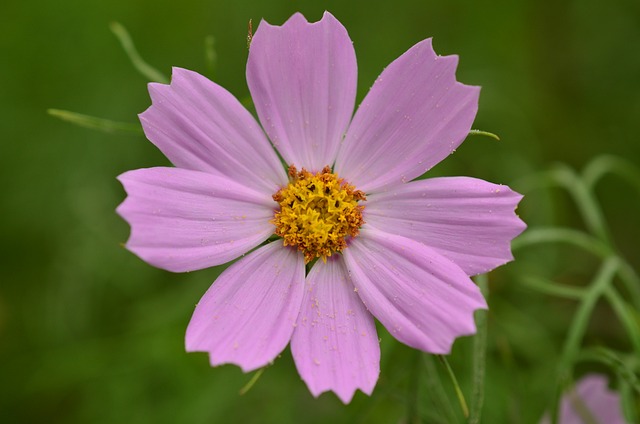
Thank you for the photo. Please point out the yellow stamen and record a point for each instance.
(317, 213)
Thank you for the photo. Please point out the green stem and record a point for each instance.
(413, 413)
(625, 366)
(95, 123)
(577, 238)
(587, 242)
(606, 164)
(579, 325)
(252, 381)
(587, 205)
(631, 280)
(581, 318)
(484, 133)
(436, 391)
(551, 288)
(629, 404)
(456, 386)
(148, 71)
(479, 355)
(625, 317)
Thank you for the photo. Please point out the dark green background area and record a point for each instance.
(90, 333)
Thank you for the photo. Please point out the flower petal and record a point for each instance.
(590, 397)
(413, 117)
(303, 78)
(248, 315)
(199, 125)
(335, 344)
(467, 220)
(422, 298)
(183, 220)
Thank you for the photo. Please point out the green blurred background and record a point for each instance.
(90, 333)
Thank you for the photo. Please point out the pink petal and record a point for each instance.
(303, 80)
(467, 220)
(335, 344)
(413, 117)
(248, 315)
(183, 220)
(199, 125)
(592, 393)
(422, 298)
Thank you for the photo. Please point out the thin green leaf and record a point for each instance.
(456, 386)
(95, 123)
(252, 381)
(625, 315)
(631, 280)
(148, 71)
(625, 366)
(578, 327)
(413, 404)
(629, 403)
(479, 355)
(562, 235)
(484, 133)
(607, 164)
(436, 392)
(585, 201)
(552, 288)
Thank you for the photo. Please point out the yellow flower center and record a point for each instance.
(317, 213)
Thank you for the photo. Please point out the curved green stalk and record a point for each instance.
(607, 164)
(252, 381)
(579, 325)
(95, 123)
(484, 133)
(587, 205)
(148, 71)
(456, 386)
(479, 355)
(562, 235)
(625, 316)
(545, 286)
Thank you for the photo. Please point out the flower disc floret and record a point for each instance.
(318, 212)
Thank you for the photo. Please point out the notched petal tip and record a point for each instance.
(426, 305)
(246, 316)
(298, 19)
(335, 345)
(302, 77)
(414, 116)
(345, 396)
(451, 63)
(295, 19)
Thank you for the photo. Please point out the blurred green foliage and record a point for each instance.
(90, 333)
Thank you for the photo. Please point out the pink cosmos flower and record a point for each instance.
(377, 243)
(589, 401)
